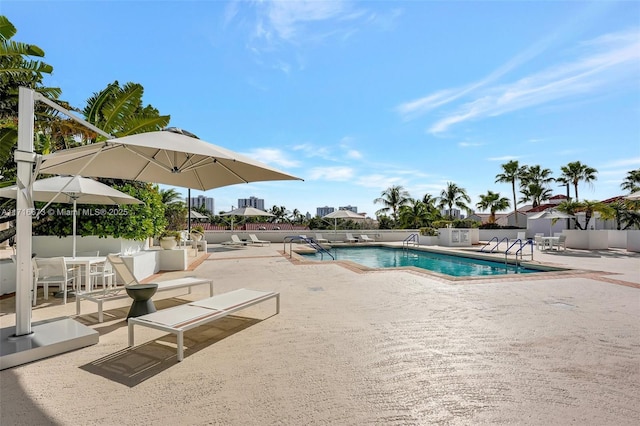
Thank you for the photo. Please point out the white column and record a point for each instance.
(25, 158)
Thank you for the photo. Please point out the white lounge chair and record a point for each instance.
(235, 242)
(255, 240)
(127, 277)
(350, 238)
(366, 239)
(179, 319)
(320, 239)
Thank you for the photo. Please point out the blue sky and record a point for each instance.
(354, 97)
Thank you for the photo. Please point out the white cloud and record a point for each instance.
(381, 182)
(469, 144)
(504, 158)
(625, 162)
(609, 60)
(331, 173)
(272, 156)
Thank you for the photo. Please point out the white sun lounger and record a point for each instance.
(108, 294)
(235, 242)
(182, 318)
(366, 239)
(255, 240)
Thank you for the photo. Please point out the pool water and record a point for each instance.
(382, 257)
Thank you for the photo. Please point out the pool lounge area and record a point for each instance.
(359, 346)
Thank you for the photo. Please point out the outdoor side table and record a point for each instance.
(141, 295)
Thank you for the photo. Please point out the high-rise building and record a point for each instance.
(201, 200)
(352, 208)
(254, 202)
(323, 211)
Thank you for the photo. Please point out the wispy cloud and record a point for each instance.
(415, 108)
(331, 173)
(504, 158)
(624, 162)
(469, 144)
(272, 156)
(379, 181)
(600, 64)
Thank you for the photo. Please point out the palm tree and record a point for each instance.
(175, 209)
(453, 195)
(414, 214)
(511, 172)
(492, 201)
(575, 172)
(534, 193)
(119, 111)
(588, 207)
(631, 183)
(392, 199)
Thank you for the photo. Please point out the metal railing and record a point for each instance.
(309, 241)
(412, 238)
(498, 242)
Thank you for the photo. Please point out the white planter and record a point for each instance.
(168, 243)
(587, 240)
(426, 240)
(196, 236)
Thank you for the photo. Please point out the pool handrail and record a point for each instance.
(411, 238)
(310, 241)
(498, 242)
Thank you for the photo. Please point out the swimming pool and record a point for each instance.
(457, 266)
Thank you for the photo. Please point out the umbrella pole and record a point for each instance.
(74, 227)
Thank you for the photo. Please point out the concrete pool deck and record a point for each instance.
(353, 348)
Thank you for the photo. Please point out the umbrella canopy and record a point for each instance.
(342, 214)
(245, 211)
(165, 157)
(197, 215)
(553, 215)
(73, 190)
(633, 196)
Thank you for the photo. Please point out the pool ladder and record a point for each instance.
(519, 251)
(310, 241)
(411, 239)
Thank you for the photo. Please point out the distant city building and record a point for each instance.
(352, 208)
(257, 203)
(455, 213)
(323, 211)
(201, 200)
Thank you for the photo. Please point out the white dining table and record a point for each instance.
(85, 263)
(550, 242)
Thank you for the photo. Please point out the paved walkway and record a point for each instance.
(353, 348)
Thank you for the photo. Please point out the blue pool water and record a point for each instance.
(382, 257)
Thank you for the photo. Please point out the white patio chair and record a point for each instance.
(562, 241)
(53, 270)
(366, 239)
(255, 240)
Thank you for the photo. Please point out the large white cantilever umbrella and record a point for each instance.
(74, 190)
(166, 157)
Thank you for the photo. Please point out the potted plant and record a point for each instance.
(169, 239)
(197, 232)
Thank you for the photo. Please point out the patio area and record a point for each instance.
(352, 348)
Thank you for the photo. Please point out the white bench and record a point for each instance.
(181, 318)
(107, 295)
